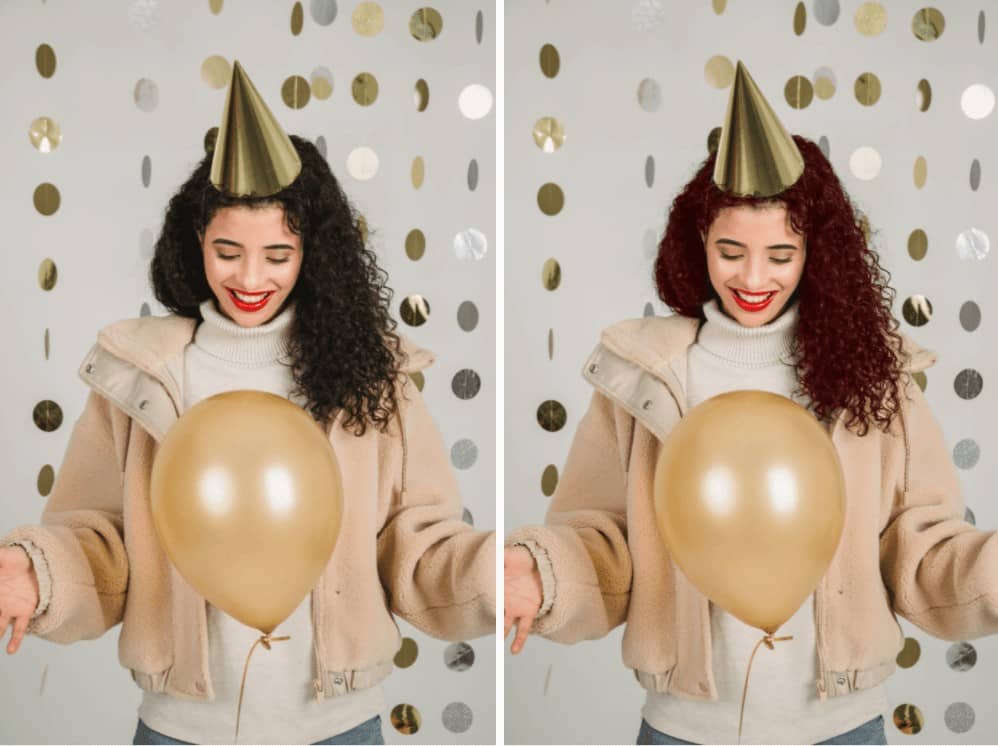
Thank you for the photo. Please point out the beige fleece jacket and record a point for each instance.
(905, 549)
(403, 548)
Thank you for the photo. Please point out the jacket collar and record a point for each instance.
(137, 364)
(641, 365)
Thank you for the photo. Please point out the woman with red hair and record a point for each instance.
(775, 288)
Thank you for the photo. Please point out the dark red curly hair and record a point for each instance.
(847, 345)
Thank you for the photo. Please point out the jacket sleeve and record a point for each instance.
(439, 573)
(584, 536)
(80, 536)
(941, 572)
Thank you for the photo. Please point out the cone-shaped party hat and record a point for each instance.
(755, 157)
(253, 154)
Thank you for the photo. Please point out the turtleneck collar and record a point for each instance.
(251, 347)
(746, 346)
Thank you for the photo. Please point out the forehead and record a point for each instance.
(769, 220)
(263, 223)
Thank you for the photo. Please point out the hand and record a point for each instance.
(18, 594)
(524, 594)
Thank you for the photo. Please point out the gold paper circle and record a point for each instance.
(368, 19)
(713, 139)
(422, 95)
(918, 244)
(47, 416)
(415, 244)
(406, 719)
(321, 81)
(549, 134)
(867, 89)
(415, 310)
(549, 480)
(550, 198)
(209, 139)
(407, 653)
(297, 19)
(45, 134)
(419, 379)
(216, 71)
(908, 719)
(871, 19)
(921, 172)
(551, 415)
(920, 379)
(550, 60)
(824, 83)
(719, 71)
(917, 310)
(46, 478)
(296, 92)
(799, 92)
(425, 24)
(551, 274)
(364, 89)
(45, 60)
(215, 6)
(800, 19)
(910, 653)
(47, 274)
(923, 95)
(928, 24)
(719, 6)
(418, 171)
(47, 198)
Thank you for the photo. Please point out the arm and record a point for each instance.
(941, 572)
(80, 542)
(438, 571)
(582, 551)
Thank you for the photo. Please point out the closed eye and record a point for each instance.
(732, 258)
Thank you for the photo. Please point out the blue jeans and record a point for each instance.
(367, 732)
(871, 732)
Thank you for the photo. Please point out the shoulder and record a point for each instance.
(652, 340)
(412, 358)
(147, 338)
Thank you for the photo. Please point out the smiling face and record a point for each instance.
(755, 260)
(251, 261)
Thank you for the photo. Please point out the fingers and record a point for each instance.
(523, 625)
(20, 627)
(4, 623)
(508, 622)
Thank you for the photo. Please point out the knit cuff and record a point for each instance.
(540, 556)
(41, 573)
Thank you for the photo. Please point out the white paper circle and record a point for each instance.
(475, 101)
(362, 163)
(865, 163)
(978, 101)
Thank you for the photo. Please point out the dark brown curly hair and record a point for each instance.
(847, 346)
(345, 353)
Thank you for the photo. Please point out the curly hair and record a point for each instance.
(345, 354)
(847, 348)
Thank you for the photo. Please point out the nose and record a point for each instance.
(251, 273)
(756, 274)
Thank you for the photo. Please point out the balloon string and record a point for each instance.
(768, 640)
(265, 640)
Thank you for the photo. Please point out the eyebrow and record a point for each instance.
(732, 242)
(229, 242)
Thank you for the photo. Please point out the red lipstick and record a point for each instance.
(249, 307)
(752, 307)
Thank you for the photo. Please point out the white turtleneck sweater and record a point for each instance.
(279, 705)
(782, 704)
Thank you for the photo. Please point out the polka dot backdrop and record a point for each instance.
(603, 131)
(109, 106)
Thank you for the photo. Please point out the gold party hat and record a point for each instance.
(756, 157)
(253, 155)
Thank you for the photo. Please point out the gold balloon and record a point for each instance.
(750, 501)
(247, 502)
